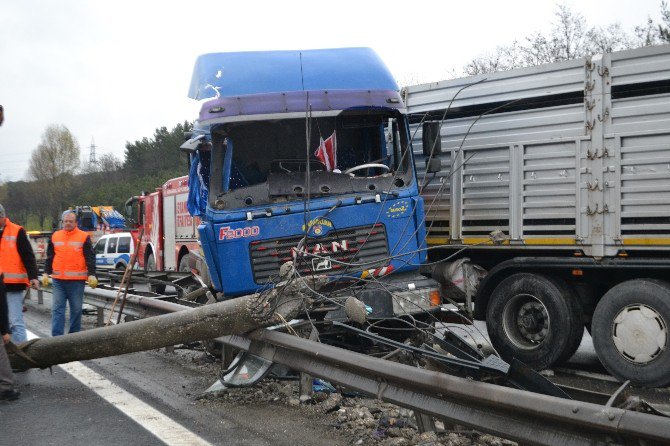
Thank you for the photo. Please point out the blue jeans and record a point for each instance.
(64, 291)
(16, 324)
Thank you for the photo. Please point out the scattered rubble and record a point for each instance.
(365, 421)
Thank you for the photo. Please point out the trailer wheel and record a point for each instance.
(535, 319)
(631, 332)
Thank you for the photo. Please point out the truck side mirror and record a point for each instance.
(192, 144)
(432, 142)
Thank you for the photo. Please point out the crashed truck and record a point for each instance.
(546, 194)
(305, 157)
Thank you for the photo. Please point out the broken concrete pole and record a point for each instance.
(235, 316)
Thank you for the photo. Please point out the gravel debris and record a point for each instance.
(365, 421)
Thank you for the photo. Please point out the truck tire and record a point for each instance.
(183, 264)
(630, 332)
(535, 319)
(150, 264)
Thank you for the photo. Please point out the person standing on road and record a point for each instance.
(70, 262)
(17, 263)
(7, 390)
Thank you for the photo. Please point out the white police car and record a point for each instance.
(113, 251)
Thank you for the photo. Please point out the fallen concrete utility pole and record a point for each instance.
(234, 316)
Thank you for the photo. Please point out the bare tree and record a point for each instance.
(106, 163)
(109, 163)
(569, 38)
(56, 155)
(53, 164)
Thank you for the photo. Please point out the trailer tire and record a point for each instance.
(631, 332)
(535, 319)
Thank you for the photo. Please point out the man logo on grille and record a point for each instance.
(321, 264)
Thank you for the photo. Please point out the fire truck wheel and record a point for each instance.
(183, 264)
(631, 332)
(535, 319)
(150, 264)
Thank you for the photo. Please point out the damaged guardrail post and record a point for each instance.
(234, 316)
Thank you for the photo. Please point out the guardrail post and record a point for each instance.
(40, 297)
(424, 422)
(306, 389)
(101, 317)
(307, 380)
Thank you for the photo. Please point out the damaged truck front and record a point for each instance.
(305, 157)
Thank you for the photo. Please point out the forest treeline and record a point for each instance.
(58, 181)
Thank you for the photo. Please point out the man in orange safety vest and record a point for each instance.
(71, 263)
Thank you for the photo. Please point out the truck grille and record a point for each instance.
(365, 244)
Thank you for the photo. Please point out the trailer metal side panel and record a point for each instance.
(581, 159)
(514, 171)
(544, 80)
(637, 130)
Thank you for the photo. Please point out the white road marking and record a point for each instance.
(161, 426)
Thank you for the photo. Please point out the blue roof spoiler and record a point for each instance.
(259, 72)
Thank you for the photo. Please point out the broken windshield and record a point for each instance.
(266, 161)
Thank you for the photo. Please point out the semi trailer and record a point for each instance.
(571, 162)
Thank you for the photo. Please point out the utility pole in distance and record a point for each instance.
(91, 154)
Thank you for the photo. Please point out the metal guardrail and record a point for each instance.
(514, 414)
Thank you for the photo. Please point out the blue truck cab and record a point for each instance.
(305, 156)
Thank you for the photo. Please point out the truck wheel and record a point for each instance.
(630, 332)
(534, 319)
(150, 264)
(183, 264)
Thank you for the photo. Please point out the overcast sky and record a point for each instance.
(114, 71)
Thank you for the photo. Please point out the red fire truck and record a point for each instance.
(170, 232)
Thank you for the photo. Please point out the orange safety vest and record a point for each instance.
(69, 262)
(11, 264)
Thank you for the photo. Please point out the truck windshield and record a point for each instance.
(266, 161)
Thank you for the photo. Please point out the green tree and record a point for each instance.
(158, 154)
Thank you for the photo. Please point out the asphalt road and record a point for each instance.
(143, 398)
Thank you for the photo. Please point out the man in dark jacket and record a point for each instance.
(17, 263)
(7, 390)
